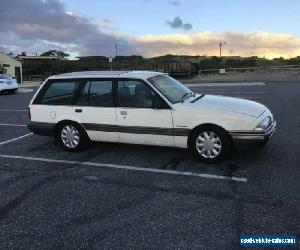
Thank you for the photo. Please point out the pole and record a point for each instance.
(116, 49)
(220, 45)
(110, 61)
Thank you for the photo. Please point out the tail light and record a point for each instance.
(29, 114)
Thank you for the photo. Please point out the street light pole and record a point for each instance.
(116, 46)
(220, 45)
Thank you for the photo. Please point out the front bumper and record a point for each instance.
(254, 135)
(8, 87)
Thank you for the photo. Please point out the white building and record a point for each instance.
(11, 66)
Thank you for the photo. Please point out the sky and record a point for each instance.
(151, 27)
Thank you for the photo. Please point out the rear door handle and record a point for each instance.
(123, 112)
(78, 110)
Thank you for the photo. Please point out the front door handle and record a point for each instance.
(123, 112)
(78, 110)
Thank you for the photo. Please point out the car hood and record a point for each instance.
(227, 104)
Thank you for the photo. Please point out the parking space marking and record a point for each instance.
(153, 170)
(13, 110)
(217, 84)
(250, 97)
(15, 139)
(13, 125)
(238, 92)
(24, 90)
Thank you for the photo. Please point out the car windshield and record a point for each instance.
(4, 77)
(173, 90)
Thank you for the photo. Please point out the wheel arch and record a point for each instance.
(68, 121)
(190, 135)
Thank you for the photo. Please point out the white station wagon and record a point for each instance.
(144, 108)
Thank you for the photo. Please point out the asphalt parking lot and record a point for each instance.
(115, 196)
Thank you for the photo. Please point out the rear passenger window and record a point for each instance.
(59, 93)
(97, 94)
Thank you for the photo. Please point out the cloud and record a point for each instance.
(265, 44)
(107, 20)
(47, 24)
(177, 23)
(174, 2)
(48, 20)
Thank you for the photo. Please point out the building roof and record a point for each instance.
(41, 58)
(6, 59)
(92, 57)
(109, 74)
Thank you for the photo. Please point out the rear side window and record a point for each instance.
(97, 94)
(58, 93)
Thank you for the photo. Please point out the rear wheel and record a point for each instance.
(72, 137)
(210, 144)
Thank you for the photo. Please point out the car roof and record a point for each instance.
(108, 74)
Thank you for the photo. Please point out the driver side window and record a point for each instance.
(135, 94)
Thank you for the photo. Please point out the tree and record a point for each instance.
(294, 61)
(233, 63)
(213, 62)
(54, 52)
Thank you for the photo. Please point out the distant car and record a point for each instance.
(144, 108)
(8, 84)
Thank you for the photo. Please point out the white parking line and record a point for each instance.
(13, 125)
(153, 170)
(13, 110)
(238, 92)
(250, 97)
(241, 96)
(24, 90)
(214, 84)
(15, 139)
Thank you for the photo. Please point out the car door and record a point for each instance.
(95, 108)
(137, 119)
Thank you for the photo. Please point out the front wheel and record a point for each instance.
(210, 144)
(71, 137)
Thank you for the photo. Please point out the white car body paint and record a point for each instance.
(7, 83)
(231, 114)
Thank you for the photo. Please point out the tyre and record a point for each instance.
(72, 137)
(210, 144)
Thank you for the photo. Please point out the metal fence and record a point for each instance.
(34, 78)
(253, 73)
(271, 73)
(174, 69)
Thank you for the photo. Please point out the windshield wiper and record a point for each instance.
(187, 93)
(197, 98)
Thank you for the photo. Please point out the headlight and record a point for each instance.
(263, 124)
